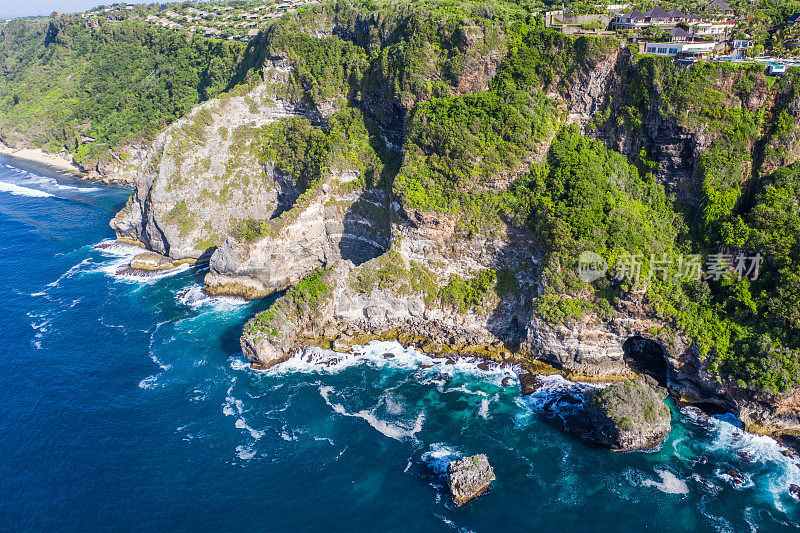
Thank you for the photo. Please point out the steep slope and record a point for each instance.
(204, 174)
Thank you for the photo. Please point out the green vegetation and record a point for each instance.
(66, 81)
(263, 323)
(458, 144)
(389, 271)
(466, 295)
(324, 69)
(310, 292)
(307, 154)
(181, 215)
(629, 404)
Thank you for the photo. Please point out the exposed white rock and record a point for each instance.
(203, 174)
(469, 478)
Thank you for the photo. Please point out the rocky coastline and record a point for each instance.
(358, 264)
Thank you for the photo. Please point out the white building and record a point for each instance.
(678, 48)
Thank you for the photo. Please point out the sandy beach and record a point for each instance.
(40, 156)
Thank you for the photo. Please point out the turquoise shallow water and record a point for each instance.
(127, 405)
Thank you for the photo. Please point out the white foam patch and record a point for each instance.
(391, 354)
(68, 274)
(118, 249)
(245, 452)
(554, 387)
(18, 190)
(483, 410)
(762, 452)
(239, 364)
(122, 254)
(234, 407)
(449, 523)
(394, 430)
(55, 185)
(738, 480)
(439, 455)
(668, 484)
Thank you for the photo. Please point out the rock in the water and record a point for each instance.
(469, 477)
(628, 415)
(151, 261)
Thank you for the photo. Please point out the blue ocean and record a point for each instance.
(127, 405)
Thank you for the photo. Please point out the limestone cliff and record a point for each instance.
(331, 222)
(203, 174)
(359, 263)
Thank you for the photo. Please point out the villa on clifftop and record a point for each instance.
(717, 20)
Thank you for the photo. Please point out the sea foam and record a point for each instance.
(18, 190)
(391, 354)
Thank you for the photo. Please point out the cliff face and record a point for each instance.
(359, 265)
(334, 221)
(203, 175)
(400, 295)
(782, 142)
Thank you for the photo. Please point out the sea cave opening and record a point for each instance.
(646, 356)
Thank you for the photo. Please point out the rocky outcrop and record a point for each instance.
(413, 294)
(782, 141)
(469, 478)
(332, 222)
(151, 261)
(691, 380)
(592, 86)
(628, 415)
(203, 174)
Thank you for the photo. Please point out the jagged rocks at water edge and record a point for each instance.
(628, 415)
(151, 261)
(469, 478)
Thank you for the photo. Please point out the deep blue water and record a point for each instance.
(126, 404)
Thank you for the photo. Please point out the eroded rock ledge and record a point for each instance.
(333, 222)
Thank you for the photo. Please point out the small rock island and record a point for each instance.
(628, 415)
(469, 478)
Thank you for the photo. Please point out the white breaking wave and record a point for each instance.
(53, 184)
(727, 437)
(18, 190)
(392, 430)
(555, 387)
(118, 249)
(123, 254)
(391, 354)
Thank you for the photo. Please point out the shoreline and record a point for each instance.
(37, 155)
